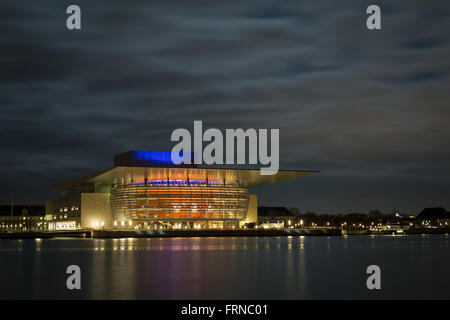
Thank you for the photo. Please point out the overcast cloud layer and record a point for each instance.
(369, 108)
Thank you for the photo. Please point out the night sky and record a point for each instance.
(370, 109)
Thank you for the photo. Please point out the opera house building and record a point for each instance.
(145, 190)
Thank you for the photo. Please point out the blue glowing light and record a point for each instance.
(157, 157)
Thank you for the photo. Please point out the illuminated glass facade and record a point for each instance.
(179, 200)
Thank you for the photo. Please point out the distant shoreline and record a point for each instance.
(117, 234)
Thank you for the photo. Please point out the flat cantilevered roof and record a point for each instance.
(243, 177)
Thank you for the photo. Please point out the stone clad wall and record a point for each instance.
(252, 212)
(95, 209)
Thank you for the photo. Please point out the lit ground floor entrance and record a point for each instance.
(177, 225)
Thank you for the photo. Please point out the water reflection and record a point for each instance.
(294, 267)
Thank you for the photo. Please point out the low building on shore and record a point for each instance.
(20, 218)
(436, 217)
(277, 218)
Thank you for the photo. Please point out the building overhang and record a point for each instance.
(242, 177)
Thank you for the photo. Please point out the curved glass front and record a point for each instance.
(179, 201)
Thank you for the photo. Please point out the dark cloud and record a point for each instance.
(424, 43)
(369, 108)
